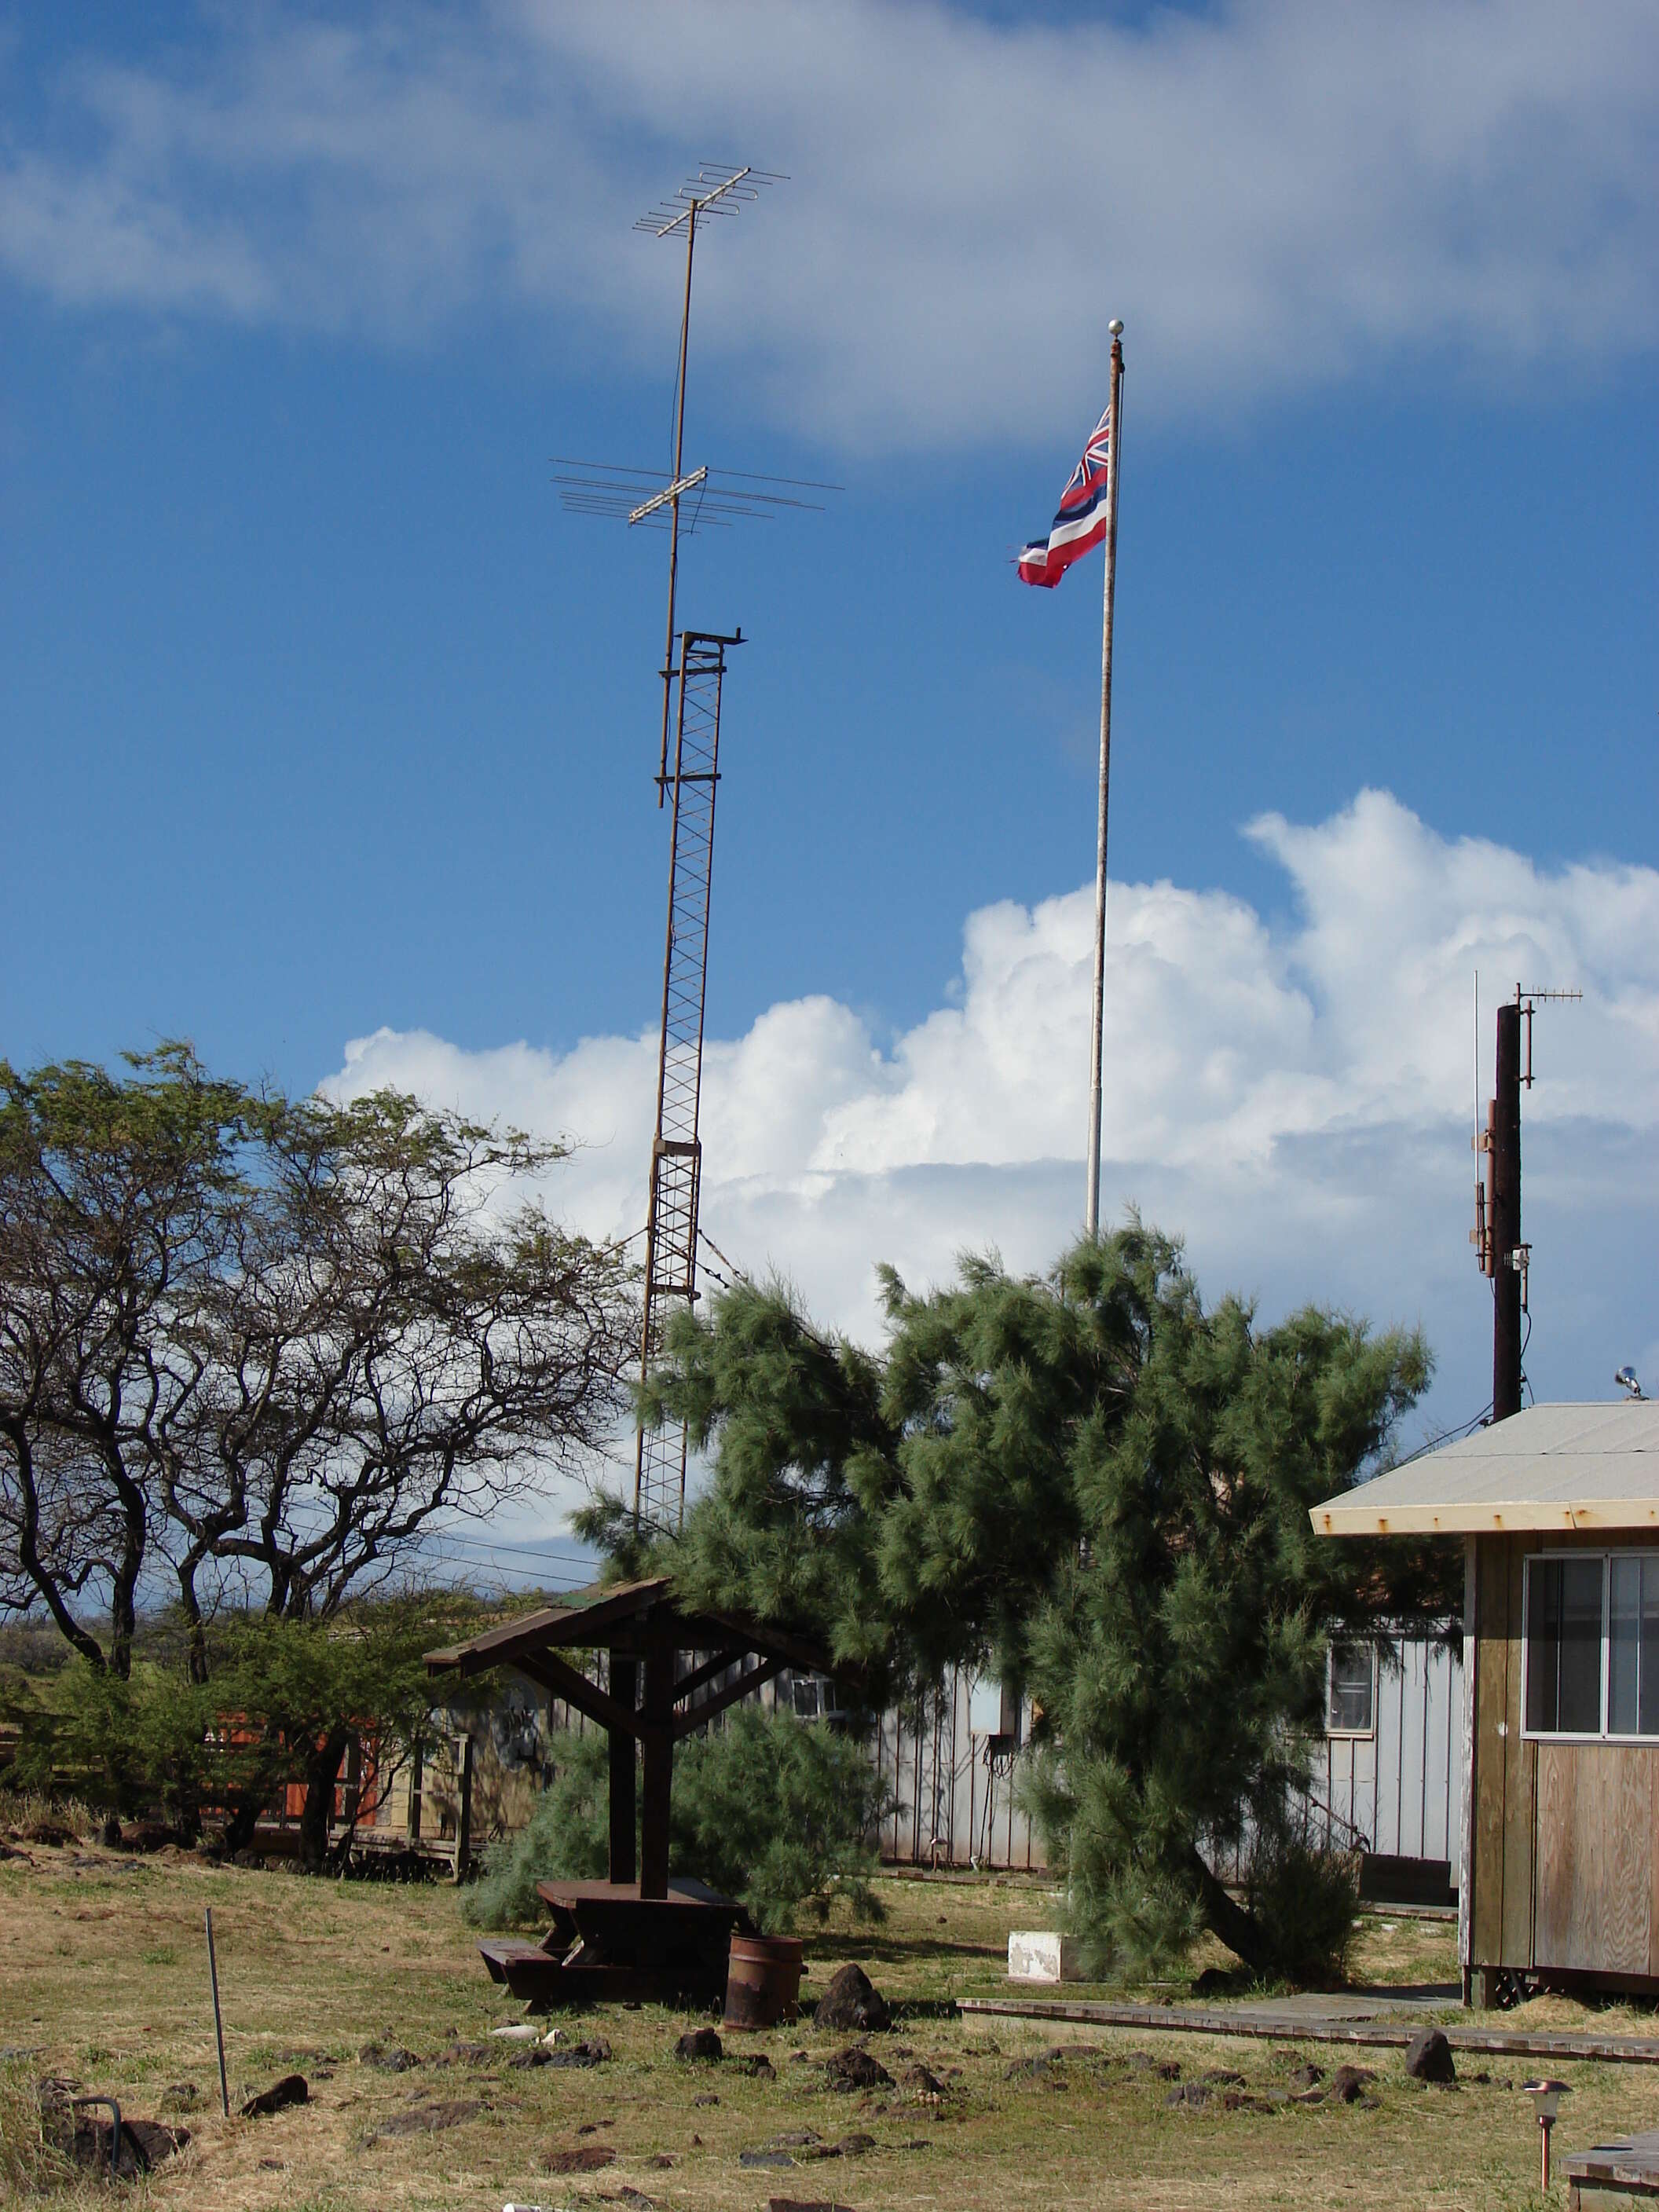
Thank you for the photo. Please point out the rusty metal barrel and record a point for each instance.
(763, 1980)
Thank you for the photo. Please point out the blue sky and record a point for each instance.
(324, 720)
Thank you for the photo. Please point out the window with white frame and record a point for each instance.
(1592, 1643)
(1350, 1690)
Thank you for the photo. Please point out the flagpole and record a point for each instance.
(1092, 1216)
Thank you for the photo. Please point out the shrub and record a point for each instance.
(1304, 1900)
(778, 1812)
(118, 1745)
(567, 1836)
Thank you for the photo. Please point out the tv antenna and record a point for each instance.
(682, 502)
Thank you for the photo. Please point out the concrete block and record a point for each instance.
(1039, 1956)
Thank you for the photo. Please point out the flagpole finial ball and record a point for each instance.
(1115, 327)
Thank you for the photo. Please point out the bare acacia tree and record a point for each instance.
(387, 1346)
(116, 1197)
(249, 1347)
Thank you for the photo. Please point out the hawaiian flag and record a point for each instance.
(1081, 521)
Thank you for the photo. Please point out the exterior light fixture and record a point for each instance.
(1546, 2102)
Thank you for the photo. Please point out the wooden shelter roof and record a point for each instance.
(1553, 1467)
(633, 1621)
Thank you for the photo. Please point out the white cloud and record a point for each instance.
(1272, 193)
(1295, 1100)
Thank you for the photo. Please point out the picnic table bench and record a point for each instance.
(1629, 2164)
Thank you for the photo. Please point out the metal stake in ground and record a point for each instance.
(218, 2021)
(1092, 1216)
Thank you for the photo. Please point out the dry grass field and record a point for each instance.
(103, 1978)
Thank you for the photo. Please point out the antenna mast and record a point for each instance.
(670, 1230)
(714, 191)
(1499, 1250)
(719, 497)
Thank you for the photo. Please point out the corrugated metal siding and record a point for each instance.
(953, 1795)
(1400, 1791)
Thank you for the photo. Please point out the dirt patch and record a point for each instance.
(428, 2119)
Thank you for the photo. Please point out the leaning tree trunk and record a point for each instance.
(322, 1771)
(1227, 1919)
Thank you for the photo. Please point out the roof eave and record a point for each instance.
(1516, 1516)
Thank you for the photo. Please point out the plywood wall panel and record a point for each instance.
(1520, 1769)
(1557, 1774)
(1627, 1919)
(1596, 1857)
(1492, 1701)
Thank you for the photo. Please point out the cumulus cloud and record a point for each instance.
(1295, 1098)
(1270, 192)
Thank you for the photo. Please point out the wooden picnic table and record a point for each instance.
(1629, 2164)
(607, 1940)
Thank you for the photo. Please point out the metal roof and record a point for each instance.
(1551, 1467)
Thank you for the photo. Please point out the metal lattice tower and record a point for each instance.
(671, 1233)
(680, 504)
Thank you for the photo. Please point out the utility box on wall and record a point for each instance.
(993, 1710)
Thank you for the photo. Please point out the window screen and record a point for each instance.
(1564, 1646)
(1633, 1644)
(808, 1700)
(1352, 1673)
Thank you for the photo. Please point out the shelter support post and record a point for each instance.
(624, 1688)
(657, 1743)
(463, 1805)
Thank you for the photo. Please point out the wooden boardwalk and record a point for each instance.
(1278, 2024)
(1628, 2165)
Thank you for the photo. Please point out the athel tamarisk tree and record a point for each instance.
(1099, 1486)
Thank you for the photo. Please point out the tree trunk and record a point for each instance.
(322, 1772)
(1229, 1920)
(239, 1828)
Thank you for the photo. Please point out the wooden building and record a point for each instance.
(1557, 1511)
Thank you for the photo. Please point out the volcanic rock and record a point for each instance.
(854, 2069)
(292, 2089)
(851, 2001)
(1428, 2057)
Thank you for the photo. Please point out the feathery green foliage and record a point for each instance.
(780, 1813)
(1101, 1489)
